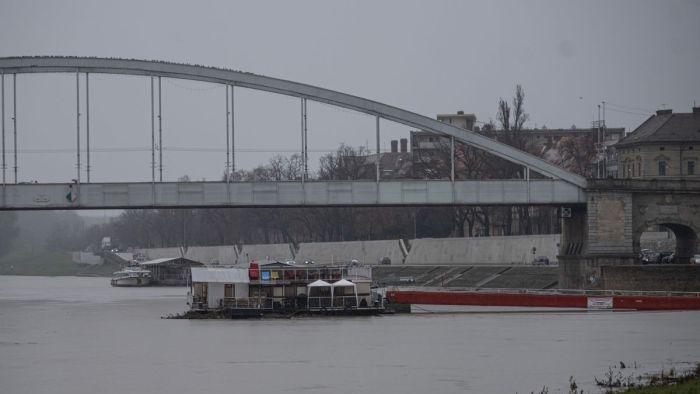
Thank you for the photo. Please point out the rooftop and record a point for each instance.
(665, 126)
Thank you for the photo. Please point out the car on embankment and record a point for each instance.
(667, 258)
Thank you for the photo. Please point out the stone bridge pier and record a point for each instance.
(607, 230)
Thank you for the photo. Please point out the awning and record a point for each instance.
(165, 260)
(319, 283)
(343, 283)
(346, 283)
(220, 275)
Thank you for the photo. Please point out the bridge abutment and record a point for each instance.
(616, 214)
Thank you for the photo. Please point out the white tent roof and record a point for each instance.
(343, 283)
(220, 275)
(319, 283)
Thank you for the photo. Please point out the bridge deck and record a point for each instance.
(271, 194)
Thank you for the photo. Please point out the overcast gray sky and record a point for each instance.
(425, 56)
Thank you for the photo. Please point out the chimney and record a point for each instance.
(664, 112)
(460, 112)
(404, 145)
(394, 146)
(696, 110)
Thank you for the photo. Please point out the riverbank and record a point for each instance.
(670, 383)
(691, 386)
(50, 264)
(676, 380)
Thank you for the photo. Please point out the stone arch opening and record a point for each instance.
(686, 241)
(683, 240)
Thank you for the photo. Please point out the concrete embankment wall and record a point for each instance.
(263, 252)
(674, 277)
(425, 251)
(208, 255)
(368, 252)
(483, 250)
(86, 258)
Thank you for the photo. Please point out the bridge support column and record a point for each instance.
(304, 146)
(574, 234)
(87, 125)
(4, 167)
(14, 119)
(153, 146)
(379, 155)
(160, 132)
(603, 236)
(77, 125)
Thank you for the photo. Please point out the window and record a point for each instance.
(691, 168)
(662, 168)
(639, 169)
(662, 148)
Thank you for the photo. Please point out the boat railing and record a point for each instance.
(319, 302)
(287, 303)
(247, 303)
(300, 274)
(345, 301)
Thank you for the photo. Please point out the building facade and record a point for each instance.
(431, 152)
(665, 146)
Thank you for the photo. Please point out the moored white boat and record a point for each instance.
(131, 276)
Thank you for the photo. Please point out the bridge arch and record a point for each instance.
(685, 232)
(52, 64)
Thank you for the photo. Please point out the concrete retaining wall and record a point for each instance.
(652, 277)
(159, 253)
(208, 255)
(86, 258)
(262, 252)
(426, 251)
(483, 250)
(367, 252)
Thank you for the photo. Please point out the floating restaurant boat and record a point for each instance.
(131, 276)
(282, 289)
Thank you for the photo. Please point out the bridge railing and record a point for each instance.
(336, 193)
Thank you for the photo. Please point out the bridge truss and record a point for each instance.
(563, 187)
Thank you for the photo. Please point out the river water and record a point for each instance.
(79, 335)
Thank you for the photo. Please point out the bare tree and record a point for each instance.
(576, 154)
(283, 168)
(512, 121)
(346, 163)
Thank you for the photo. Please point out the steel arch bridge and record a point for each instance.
(563, 187)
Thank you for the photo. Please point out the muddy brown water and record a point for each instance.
(80, 335)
